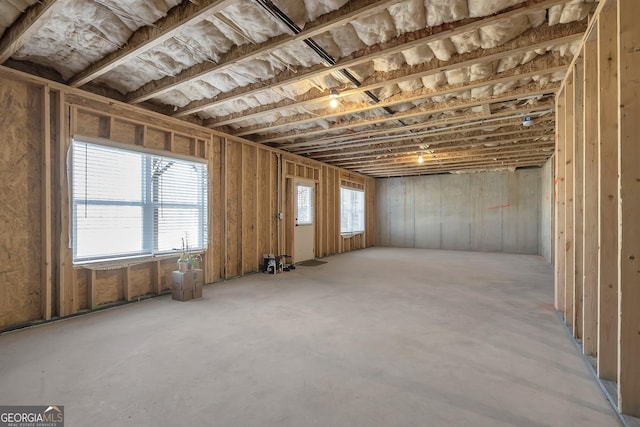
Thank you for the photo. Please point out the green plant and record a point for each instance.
(188, 260)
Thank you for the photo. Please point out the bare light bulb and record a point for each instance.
(333, 102)
(420, 158)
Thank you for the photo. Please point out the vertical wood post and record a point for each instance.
(559, 202)
(65, 260)
(568, 220)
(578, 212)
(629, 207)
(126, 283)
(92, 289)
(590, 194)
(608, 193)
(46, 230)
(224, 261)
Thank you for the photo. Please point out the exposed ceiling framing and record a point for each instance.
(449, 82)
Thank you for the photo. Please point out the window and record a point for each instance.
(305, 205)
(129, 203)
(351, 211)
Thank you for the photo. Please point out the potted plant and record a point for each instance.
(188, 260)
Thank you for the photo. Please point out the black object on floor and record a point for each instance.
(311, 263)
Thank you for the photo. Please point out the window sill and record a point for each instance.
(113, 264)
(350, 235)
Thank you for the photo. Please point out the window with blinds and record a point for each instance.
(304, 205)
(128, 203)
(351, 211)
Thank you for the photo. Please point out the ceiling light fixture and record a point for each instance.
(420, 158)
(333, 94)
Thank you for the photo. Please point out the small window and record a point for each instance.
(129, 203)
(351, 211)
(304, 205)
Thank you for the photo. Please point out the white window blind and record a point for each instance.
(304, 205)
(129, 203)
(351, 210)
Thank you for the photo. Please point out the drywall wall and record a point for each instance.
(492, 211)
(545, 239)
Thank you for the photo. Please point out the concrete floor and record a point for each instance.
(378, 337)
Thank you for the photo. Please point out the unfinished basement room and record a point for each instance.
(320, 213)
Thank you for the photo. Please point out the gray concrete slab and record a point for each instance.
(488, 212)
(378, 337)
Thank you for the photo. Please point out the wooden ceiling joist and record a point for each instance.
(26, 26)
(352, 10)
(386, 151)
(523, 149)
(403, 98)
(148, 37)
(428, 123)
(396, 45)
(464, 169)
(422, 110)
(479, 131)
(538, 38)
(480, 164)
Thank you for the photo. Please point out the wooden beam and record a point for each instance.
(478, 159)
(470, 166)
(528, 91)
(387, 146)
(590, 194)
(467, 117)
(352, 10)
(126, 283)
(46, 228)
(410, 159)
(27, 24)
(65, 255)
(545, 65)
(390, 150)
(629, 205)
(156, 277)
(148, 37)
(224, 224)
(520, 143)
(397, 45)
(544, 37)
(92, 289)
(568, 220)
(560, 201)
(578, 212)
(608, 192)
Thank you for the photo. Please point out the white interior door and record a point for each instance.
(304, 220)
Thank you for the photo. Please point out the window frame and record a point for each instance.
(350, 233)
(149, 207)
(310, 210)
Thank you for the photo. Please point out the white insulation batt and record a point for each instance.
(10, 10)
(83, 31)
